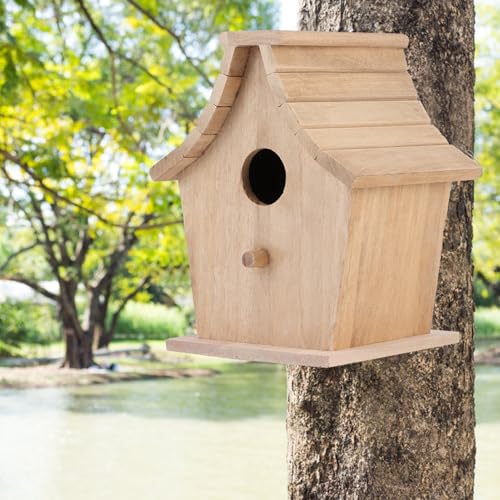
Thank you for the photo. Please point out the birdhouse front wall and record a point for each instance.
(292, 301)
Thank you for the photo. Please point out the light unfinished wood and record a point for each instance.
(406, 165)
(301, 59)
(392, 261)
(256, 258)
(272, 305)
(354, 239)
(311, 357)
(234, 60)
(170, 165)
(312, 38)
(375, 137)
(354, 98)
(225, 90)
(317, 87)
(212, 118)
(358, 113)
(196, 143)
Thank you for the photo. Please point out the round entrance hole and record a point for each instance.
(264, 177)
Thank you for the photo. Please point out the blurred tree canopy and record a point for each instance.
(90, 92)
(487, 196)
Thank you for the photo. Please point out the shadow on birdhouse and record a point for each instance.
(315, 192)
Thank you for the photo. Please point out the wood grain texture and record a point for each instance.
(375, 137)
(310, 357)
(225, 90)
(406, 165)
(303, 59)
(317, 87)
(291, 301)
(234, 60)
(212, 118)
(392, 262)
(315, 39)
(196, 143)
(359, 113)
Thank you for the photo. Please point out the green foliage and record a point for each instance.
(26, 322)
(487, 322)
(150, 321)
(487, 196)
(90, 93)
(484, 294)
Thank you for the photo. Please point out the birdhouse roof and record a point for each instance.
(348, 98)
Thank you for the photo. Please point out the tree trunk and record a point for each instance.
(78, 345)
(105, 338)
(402, 427)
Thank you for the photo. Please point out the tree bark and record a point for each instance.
(402, 427)
(78, 347)
(78, 342)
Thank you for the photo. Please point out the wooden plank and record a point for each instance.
(225, 90)
(303, 87)
(195, 144)
(392, 263)
(234, 60)
(300, 59)
(212, 118)
(359, 113)
(444, 173)
(170, 166)
(375, 137)
(313, 38)
(311, 357)
(410, 164)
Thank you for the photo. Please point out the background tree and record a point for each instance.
(89, 92)
(401, 427)
(487, 192)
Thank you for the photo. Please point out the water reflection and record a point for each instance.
(213, 438)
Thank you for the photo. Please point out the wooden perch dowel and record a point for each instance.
(255, 258)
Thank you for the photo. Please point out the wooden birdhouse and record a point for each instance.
(315, 192)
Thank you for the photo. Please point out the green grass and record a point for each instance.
(149, 322)
(487, 322)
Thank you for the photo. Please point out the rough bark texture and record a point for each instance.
(402, 427)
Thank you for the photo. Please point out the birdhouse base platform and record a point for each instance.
(310, 357)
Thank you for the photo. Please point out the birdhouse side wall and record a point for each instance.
(392, 263)
(292, 301)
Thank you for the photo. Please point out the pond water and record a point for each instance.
(208, 438)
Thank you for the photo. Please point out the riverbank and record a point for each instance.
(131, 361)
(52, 376)
(121, 365)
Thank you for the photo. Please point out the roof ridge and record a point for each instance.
(313, 38)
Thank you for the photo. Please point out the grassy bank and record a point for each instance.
(131, 366)
(487, 322)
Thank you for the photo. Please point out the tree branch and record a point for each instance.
(96, 28)
(112, 52)
(176, 37)
(32, 284)
(53, 192)
(81, 252)
(16, 254)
